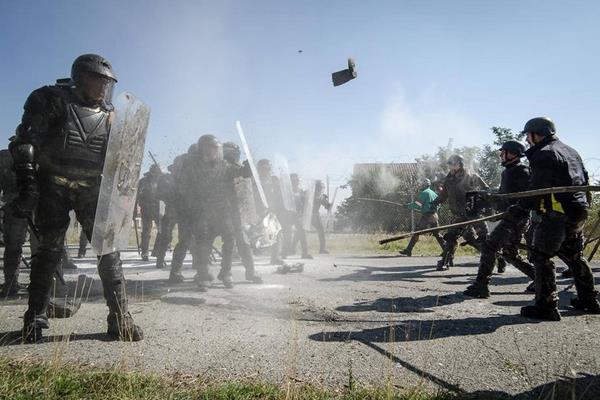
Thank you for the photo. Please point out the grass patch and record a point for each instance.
(21, 379)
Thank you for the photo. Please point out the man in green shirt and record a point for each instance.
(429, 218)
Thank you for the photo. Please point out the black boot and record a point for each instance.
(226, 278)
(590, 305)
(501, 265)
(406, 252)
(32, 328)
(176, 277)
(121, 327)
(547, 313)
(478, 290)
(119, 320)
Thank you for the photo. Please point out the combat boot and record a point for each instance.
(478, 290)
(306, 256)
(175, 277)
(253, 277)
(548, 313)
(590, 305)
(406, 252)
(442, 266)
(32, 329)
(160, 263)
(226, 278)
(121, 327)
(501, 265)
(145, 257)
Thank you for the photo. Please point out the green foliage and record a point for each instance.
(361, 216)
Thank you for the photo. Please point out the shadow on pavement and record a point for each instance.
(13, 338)
(404, 304)
(409, 273)
(583, 387)
(418, 330)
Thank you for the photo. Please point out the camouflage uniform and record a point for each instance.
(454, 190)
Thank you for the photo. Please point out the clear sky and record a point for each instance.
(428, 71)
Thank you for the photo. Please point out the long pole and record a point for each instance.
(444, 227)
(544, 191)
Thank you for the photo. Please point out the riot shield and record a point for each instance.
(245, 199)
(255, 174)
(120, 175)
(282, 171)
(264, 234)
(309, 199)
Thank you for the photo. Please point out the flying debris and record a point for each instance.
(345, 75)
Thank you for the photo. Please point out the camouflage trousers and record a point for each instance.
(474, 235)
(427, 220)
(560, 235)
(505, 237)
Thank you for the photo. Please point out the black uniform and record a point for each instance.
(59, 154)
(14, 226)
(320, 199)
(507, 235)
(149, 207)
(205, 186)
(183, 221)
(165, 192)
(559, 232)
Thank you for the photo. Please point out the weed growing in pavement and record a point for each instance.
(27, 380)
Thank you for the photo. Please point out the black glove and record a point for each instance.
(517, 213)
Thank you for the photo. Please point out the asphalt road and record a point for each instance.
(378, 319)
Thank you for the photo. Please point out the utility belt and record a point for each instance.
(74, 184)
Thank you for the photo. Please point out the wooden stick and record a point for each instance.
(444, 227)
(541, 192)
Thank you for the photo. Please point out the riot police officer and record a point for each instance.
(507, 235)
(59, 152)
(560, 230)
(149, 204)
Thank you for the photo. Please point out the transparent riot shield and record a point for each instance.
(120, 175)
(309, 199)
(245, 200)
(282, 171)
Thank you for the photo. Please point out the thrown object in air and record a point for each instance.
(345, 75)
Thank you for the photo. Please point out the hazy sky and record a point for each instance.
(428, 71)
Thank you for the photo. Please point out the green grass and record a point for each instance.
(28, 380)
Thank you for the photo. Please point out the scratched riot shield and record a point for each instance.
(309, 199)
(120, 175)
(282, 171)
(246, 206)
